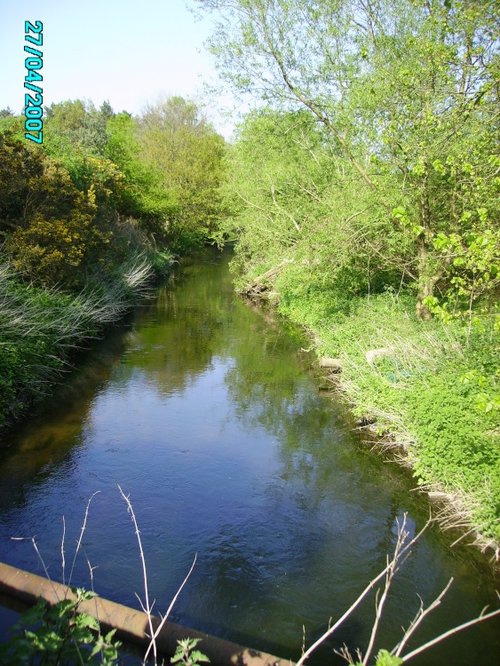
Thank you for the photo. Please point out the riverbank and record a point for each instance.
(427, 392)
(41, 328)
(206, 413)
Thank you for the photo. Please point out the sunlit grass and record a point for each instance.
(41, 327)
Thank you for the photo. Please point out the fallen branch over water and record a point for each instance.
(260, 285)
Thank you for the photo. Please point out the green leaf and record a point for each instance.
(385, 658)
(83, 620)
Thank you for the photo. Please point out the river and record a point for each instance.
(207, 412)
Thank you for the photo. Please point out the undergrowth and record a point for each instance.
(432, 391)
(41, 327)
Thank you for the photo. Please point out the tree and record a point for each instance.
(79, 124)
(407, 92)
(142, 194)
(294, 217)
(186, 151)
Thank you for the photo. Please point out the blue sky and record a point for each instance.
(131, 52)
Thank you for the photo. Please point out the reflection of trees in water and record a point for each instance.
(270, 389)
(333, 507)
(177, 338)
(170, 341)
(273, 578)
(318, 526)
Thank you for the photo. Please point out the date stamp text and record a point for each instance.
(33, 100)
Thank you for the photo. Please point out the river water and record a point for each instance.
(207, 412)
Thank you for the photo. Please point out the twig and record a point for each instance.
(80, 538)
(379, 605)
(63, 560)
(35, 546)
(147, 607)
(418, 619)
(449, 633)
(169, 609)
(44, 566)
(399, 550)
(392, 568)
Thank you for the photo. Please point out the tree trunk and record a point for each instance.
(426, 280)
(425, 289)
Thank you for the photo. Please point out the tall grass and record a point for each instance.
(41, 327)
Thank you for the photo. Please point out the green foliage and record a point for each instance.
(142, 194)
(367, 186)
(187, 655)
(436, 389)
(26, 342)
(289, 204)
(76, 123)
(406, 95)
(384, 658)
(178, 144)
(51, 250)
(20, 166)
(457, 445)
(60, 634)
(51, 227)
(96, 209)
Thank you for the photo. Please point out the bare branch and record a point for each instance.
(80, 538)
(401, 550)
(418, 619)
(169, 609)
(147, 606)
(63, 560)
(449, 633)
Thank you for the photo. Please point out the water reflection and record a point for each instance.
(202, 409)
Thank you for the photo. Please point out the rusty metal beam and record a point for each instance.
(131, 625)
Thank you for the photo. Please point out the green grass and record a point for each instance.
(435, 392)
(40, 328)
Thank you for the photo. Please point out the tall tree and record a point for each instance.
(181, 145)
(407, 91)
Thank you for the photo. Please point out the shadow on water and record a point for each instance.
(207, 412)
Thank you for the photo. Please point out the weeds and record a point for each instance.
(187, 654)
(64, 633)
(432, 398)
(61, 634)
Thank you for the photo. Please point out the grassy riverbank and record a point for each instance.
(368, 168)
(41, 328)
(431, 395)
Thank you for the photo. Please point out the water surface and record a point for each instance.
(206, 412)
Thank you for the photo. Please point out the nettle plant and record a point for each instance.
(60, 634)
